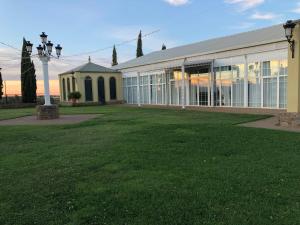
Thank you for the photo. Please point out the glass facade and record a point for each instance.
(258, 84)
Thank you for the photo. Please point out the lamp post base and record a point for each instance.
(47, 112)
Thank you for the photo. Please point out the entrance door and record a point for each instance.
(101, 90)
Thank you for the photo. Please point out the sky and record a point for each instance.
(84, 26)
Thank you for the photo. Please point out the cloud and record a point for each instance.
(177, 2)
(264, 16)
(244, 5)
(297, 9)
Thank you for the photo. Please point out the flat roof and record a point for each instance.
(242, 40)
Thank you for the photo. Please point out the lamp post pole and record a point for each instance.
(44, 54)
(46, 111)
(45, 61)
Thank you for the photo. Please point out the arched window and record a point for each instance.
(101, 90)
(88, 87)
(68, 85)
(64, 89)
(113, 90)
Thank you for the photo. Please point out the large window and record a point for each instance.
(223, 86)
(144, 89)
(113, 88)
(157, 88)
(88, 87)
(152, 89)
(130, 90)
(199, 87)
(270, 71)
(267, 82)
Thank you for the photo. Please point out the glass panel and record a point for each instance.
(283, 73)
(217, 89)
(254, 85)
(238, 74)
(226, 78)
(283, 92)
(194, 89)
(270, 92)
(174, 93)
(270, 73)
(203, 82)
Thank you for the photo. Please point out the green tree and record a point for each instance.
(114, 57)
(28, 77)
(1, 86)
(163, 47)
(139, 50)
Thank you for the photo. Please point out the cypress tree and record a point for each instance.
(1, 86)
(139, 50)
(114, 57)
(32, 83)
(28, 78)
(163, 47)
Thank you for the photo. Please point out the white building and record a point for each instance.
(246, 70)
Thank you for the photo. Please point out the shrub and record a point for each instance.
(75, 95)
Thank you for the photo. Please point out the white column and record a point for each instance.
(46, 80)
(182, 86)
(261, 85)
(212, 79)
(138, 90)
(149, 90)
(246, 91)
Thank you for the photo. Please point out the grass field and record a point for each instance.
(148, 167)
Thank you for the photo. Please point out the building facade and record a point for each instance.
(97, 84)
(248, 70)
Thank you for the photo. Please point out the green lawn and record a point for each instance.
(148, 167)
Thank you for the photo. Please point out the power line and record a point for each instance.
(10, 46)
(110, 47)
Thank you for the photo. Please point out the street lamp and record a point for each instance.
(44, 52)
(289, 28)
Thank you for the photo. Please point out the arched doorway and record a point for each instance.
(88, 87)
(101, 90)
(112, 87)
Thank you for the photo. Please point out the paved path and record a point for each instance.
(270, 123)
(64, 119)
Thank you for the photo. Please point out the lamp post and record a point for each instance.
(44, 52)
(289, 28)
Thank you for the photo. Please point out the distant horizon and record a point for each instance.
(14, 87)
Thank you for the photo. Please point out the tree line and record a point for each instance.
(139, 50)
